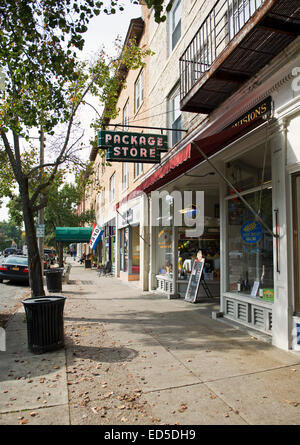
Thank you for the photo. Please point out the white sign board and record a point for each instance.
(40, 230)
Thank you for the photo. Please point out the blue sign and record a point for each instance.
(251, 232)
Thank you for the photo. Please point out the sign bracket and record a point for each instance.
(148, 128)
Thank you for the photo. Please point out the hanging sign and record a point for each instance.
(96, 236)
(132, 147)
(251, 232)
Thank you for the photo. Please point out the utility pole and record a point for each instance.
(41, 211)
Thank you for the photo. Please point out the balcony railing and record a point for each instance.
(221, 25)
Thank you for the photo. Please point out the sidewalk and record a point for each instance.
(135, 358)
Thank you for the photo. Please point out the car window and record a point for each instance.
(20, 261)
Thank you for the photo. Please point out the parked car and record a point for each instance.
(14, 268)
(9, 251)
(51, 254)
(19, 252)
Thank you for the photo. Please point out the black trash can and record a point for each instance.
(88, 264)
(54, 279)
(45, 323)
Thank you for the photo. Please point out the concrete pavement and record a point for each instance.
(133, 357)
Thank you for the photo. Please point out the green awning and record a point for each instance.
(73, 234)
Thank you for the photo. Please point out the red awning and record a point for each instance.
(190, 157)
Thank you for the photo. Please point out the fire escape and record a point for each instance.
(236, 40)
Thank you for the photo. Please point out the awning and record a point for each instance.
(73, 234)
(189, 157)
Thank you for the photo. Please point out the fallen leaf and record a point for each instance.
(295, 404)
(23, 422)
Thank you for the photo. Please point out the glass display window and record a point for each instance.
(250, 246)
(248, 172)
(135, 230)
(164, 251)
(296, 240)
(124, 239)
(208, 244)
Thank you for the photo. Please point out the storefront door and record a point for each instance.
(296, 240)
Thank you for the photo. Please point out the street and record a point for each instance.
(11, 293)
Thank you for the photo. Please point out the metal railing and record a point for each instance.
(223, 22)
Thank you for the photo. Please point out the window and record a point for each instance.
(112, 188)
(250, 246)
(138, 169)
(139, 91)
(124, 241)
(175, 24)
(240, 13)
(174, 115)
(124, 175)
(126, 116)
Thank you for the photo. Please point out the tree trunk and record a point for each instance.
(34, 261)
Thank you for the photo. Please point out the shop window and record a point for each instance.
(251, 170)
(164, 251)
(124, 240)
(135, 267)
(139, 91)
(250, 246)
(164, 236)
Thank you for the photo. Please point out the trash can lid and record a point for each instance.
(47, 299)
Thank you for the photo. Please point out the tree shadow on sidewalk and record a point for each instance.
(91, 347)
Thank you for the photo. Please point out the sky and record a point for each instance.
(102, 31)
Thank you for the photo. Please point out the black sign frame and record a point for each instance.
(192, 290)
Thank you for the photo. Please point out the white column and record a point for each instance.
(223, 235)
(144, 243)
(282, 307)
(152, 249)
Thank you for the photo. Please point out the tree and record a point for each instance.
(44, 84)
(9, 232)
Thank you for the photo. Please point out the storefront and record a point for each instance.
(128, 225)
(250, 240)
(109, 244)
(248, 261)
(174, 248)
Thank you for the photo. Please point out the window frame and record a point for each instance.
(174, 120)
(139, 91)
(174, 26)
(126, 116)
(112, 187)
(138, 169)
